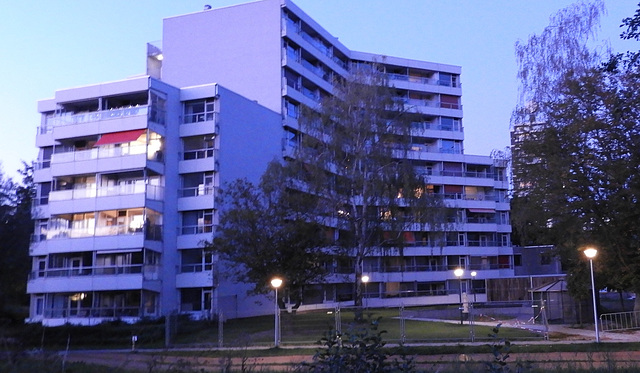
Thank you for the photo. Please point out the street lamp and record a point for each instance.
(473, 290)
(276, 283)
(365, 279)
(458, 273)
(591, 253)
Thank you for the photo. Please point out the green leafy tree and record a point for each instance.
(16, 227)
(562, 49)
(352, 155)
(578, 183)
(267, 232)
(349, 177)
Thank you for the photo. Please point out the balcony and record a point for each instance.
(105, 278)
(190, 236)
(154, 192)
(195, 198)
(423, 80)
(152, 113)
(92, 307)
(97, 153)
(148, 232)
(104, 159)
(198, 160)
(97, 312)
(192, 275)
(200, 124)
(149, 272)
(196, 229)
(103, 198)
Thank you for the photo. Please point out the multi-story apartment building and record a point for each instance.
(129, 170)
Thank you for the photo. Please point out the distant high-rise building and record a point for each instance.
(128, 172)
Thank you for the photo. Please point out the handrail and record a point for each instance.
(193, 268)
(200, 190)
(196, 229)
(97, 153)
(150, 231)
(65, 119)
(95, 270)
(154, 192)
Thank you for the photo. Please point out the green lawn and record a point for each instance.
(309, 327)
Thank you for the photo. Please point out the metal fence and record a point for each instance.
(471, 322)
(620, 321)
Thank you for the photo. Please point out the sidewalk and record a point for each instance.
(557, 332)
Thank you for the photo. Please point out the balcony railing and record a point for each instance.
(470, 197)
(150, 272)
(428, 103)
(473, 174)
(200, 190)
(423, 80)
(153, 192)
(103, 152)
(317, 43)
(467, 243)
(151, 232)
(204, 116)
(423, 126)
(65, 119)
(193, 268)
(196, 229)
(106, 312)
(423, 268)
(198, 154)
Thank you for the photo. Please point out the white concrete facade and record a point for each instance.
(120, 223)
(127, 177)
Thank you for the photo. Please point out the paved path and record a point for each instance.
(558, 332)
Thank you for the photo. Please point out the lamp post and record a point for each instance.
(591, 253)
(365, 279)
(473, 290)
(276, 283)
(458, 273)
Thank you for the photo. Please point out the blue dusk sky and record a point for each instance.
(51, 45)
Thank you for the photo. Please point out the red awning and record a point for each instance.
(119, 137)
(486, 211)
(409, 237)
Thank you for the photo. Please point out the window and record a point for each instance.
(447, 79)
(45, 154)
(293, 111)
(450, 147)
(517, 260)
(197, 184)
(545, 258)
(157, 112)
(195, 222)
(199, 111)
(449, 124)
(195, 299)
(292, 79)
(293, 52)
(39, 305)
(196, 260)
(505, 240)
(449, 102)
(198, 147)
(43, 195)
